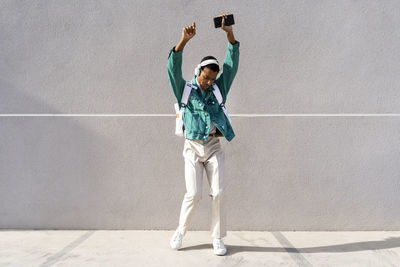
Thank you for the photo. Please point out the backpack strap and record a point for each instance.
(179, 109)
(218, 95)
(186, 93)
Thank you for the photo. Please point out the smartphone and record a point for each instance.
(228, 21)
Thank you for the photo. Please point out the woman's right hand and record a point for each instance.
(188, 32)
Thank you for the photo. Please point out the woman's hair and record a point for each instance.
(212, 66)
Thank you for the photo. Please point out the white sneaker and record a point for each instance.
(219, 247)
(176, 240)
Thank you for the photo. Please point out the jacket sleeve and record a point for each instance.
(229, 70)
(174, 67)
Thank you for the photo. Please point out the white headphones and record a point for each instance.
(204, 63)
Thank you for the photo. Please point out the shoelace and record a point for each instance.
(218, 244)
(177, 236)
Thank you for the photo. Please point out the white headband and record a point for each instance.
(204, 63)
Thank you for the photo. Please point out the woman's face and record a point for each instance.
(207, 77)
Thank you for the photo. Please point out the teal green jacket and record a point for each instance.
(199, 111)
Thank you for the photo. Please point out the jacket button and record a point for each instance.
(206, 114)
(200, 104)
(213, 102)
(206, 126)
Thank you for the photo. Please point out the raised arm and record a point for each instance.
(231, 62)
(174, 63)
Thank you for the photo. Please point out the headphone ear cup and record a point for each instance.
(197, 70)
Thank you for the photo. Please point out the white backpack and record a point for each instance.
(185, 96)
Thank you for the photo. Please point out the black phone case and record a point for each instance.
(228, 21)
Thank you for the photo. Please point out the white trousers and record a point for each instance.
(199, 156)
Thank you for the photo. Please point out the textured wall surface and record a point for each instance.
(315, 149)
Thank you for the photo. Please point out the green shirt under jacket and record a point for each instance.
(200, 111)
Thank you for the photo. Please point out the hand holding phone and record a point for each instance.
(228, 20)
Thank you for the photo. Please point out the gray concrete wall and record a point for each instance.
(284, 170)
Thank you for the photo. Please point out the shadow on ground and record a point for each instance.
(391, 242)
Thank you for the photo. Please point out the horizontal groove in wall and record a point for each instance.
(231, 115)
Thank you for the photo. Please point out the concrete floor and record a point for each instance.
(151, 248)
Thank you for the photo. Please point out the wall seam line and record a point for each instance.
(173, 115)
